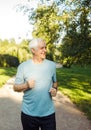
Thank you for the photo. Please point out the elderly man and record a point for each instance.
(37, 79)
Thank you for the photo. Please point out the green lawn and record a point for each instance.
(76, 84)
(5, 74)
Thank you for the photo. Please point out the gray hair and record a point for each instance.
(34, 43)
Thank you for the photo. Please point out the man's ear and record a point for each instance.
(33, 50)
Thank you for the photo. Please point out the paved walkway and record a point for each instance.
(68, 116)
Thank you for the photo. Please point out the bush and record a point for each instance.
(67, 62)
(8, 61)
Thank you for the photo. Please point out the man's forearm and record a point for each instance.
(20, 87)
(23, 87)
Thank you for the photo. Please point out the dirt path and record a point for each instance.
(68, 116)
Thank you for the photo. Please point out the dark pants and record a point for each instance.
(34, 123)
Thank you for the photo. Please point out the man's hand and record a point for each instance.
(53, 92)
(31, 83)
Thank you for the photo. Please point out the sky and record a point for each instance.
(14, 24)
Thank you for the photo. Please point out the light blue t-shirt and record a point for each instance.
(37, 101)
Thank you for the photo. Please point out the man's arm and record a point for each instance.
(20, 87)
(23, 87)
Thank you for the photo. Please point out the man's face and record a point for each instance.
(40, 51)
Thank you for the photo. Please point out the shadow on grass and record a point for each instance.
(9, 71)
(76, 84)
(5, 74)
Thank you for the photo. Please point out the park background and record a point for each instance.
(65, 25)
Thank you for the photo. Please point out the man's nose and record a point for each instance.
(45, 49)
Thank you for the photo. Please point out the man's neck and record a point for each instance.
(37, 60)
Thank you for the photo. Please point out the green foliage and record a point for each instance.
(47, 26)
(5, 74)
(11, 54)
(67, 62)
(46, 21)
(76, 84)
(76, 43)
(8, 61)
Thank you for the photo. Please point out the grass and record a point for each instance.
(76, 84)
(5, 74)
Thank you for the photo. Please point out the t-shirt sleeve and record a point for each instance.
(54, 74)
(19, 75)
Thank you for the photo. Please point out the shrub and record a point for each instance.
(8, 61)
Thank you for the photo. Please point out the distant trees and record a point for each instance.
(76, 44)
(11, 54)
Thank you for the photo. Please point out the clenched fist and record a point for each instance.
(53, 92)
(31, 83)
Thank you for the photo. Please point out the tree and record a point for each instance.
(15, 52)
(46, 25)
(77, 41)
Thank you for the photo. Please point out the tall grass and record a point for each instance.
(76, 84)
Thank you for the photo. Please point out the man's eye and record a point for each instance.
(43, 48)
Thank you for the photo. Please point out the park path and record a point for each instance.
(68, 117)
